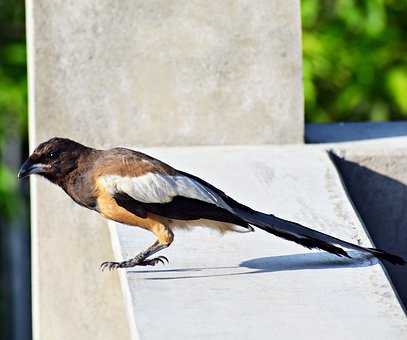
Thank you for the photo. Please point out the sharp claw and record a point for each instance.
(148, 262)
(165, 259)
(103, 266)
(154, 261)
(109, 265)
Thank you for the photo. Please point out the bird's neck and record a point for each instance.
(78, 182)
(79, 164)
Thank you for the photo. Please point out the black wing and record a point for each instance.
(180, 208)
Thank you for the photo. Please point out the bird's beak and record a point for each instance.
(29, 168)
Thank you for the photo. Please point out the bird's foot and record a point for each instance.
(133, 262)
(153, 261)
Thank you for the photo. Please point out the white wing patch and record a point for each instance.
(159, 188)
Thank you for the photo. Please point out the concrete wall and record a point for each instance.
(374, 173)
(168, 72)
(376, 180)
(144, 73)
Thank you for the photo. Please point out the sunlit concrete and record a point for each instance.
(158, 73)
(250, 286)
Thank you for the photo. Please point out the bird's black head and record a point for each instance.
(53, 159)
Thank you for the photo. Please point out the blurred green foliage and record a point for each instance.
(13, 129)
(355, 60)
(13, 100)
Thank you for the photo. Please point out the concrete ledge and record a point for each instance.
(374, 172)
(347, 132)
(376, 179)
(245, 286)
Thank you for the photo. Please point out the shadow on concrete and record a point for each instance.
(178, 270)
(308, 261)
(318, 260)
(347, 132)
(382, 204)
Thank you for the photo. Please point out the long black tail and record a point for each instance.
(307, 237)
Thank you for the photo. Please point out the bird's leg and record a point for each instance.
(140, 259)
(165, 237)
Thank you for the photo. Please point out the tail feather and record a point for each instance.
(381, 254)
(307, 237)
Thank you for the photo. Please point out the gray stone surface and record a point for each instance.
(168, 72)
(376, 178)
(110, 73)
(71, 298)
(374, 172)
(251, 286)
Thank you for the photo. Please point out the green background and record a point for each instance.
(355, 60)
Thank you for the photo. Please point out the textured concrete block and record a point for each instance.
(375, 175)
(71, 297)
(168, 72)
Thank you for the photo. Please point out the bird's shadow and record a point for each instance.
(319, 260)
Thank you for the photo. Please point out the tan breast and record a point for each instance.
(109, 208)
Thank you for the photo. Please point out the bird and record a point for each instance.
(138, 190)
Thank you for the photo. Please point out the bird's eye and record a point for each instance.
(52, 155)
